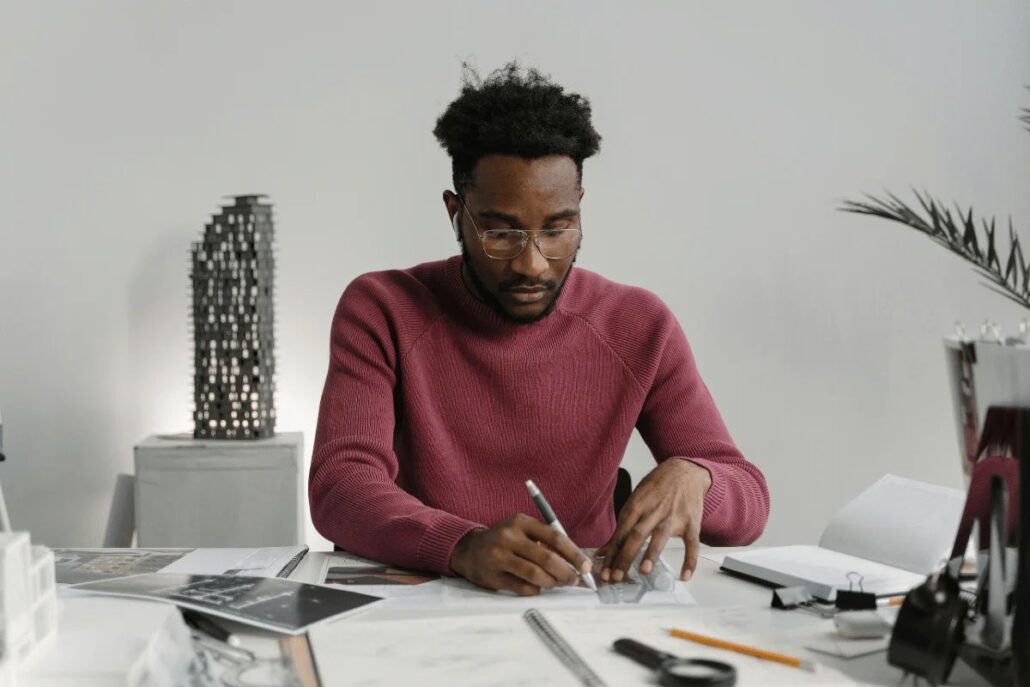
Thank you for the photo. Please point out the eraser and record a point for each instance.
(861, 624)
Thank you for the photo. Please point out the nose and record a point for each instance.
(530, 263)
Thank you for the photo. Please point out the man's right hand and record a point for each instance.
(521, 554)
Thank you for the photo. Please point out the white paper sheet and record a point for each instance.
(458, 592)
(482, 650)
(833, 644)
(452, 592)
(898, 522)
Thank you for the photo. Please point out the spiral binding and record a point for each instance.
(289, 567)
(565, 653)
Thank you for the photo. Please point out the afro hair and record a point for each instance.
(514, 113)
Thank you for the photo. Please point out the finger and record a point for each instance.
(691, 547)
(529, 571)
(631, 545)
(516, 584)
(543, 556)
(659, 537)
(561, 544)
(602, 559)
(628, 518)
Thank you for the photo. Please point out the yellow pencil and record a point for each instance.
(741, 649)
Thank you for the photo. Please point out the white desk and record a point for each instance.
(710, 587)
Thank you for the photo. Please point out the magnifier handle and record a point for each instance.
(641, 653)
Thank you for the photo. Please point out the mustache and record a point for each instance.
(548, 284)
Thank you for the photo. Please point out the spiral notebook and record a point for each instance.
(562, 649)
(270, 561)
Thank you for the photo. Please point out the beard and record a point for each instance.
(495, 304)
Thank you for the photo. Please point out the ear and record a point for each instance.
(452, 203)
(581, 192)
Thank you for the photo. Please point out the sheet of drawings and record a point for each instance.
(359, 574)
(407, 589)
(266, 602)
(75, 566)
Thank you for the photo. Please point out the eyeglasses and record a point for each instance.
(508, 244)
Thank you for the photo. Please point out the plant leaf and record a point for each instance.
(958, 233)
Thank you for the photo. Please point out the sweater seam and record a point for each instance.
(600, 337)
(404, 352)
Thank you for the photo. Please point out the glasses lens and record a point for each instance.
(503, 243)
(555, 244)
(558, 243)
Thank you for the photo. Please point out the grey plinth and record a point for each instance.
(222, 493)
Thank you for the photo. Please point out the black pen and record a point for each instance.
(202, 623)
(545, 510)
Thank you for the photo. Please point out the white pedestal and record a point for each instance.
(195, 493)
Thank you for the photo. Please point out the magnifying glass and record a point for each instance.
(673, 671)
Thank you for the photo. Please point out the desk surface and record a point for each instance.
(710, 587)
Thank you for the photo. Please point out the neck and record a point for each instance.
(470, 284)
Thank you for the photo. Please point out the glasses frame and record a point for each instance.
(524, 234)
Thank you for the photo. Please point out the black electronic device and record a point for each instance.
(989, 630)
(1021, 617)
(929, 629)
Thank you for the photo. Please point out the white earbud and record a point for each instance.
(454, 223)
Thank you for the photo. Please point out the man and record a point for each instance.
(452, 383)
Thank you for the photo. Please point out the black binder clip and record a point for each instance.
(851, 600)
(800, 598)
(788, 598)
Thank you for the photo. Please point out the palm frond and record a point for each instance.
(960, 235)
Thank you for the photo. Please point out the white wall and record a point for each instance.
(731, 133)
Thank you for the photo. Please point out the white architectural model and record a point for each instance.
(28, 598)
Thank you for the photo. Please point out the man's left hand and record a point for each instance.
(668, 502)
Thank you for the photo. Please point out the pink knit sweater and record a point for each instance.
(436, 411)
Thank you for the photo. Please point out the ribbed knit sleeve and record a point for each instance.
(355, 501)
(679, 418)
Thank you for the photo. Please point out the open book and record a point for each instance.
(886, 541)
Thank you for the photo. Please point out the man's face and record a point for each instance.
(511, 192)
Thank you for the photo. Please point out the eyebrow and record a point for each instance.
(512, 219)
